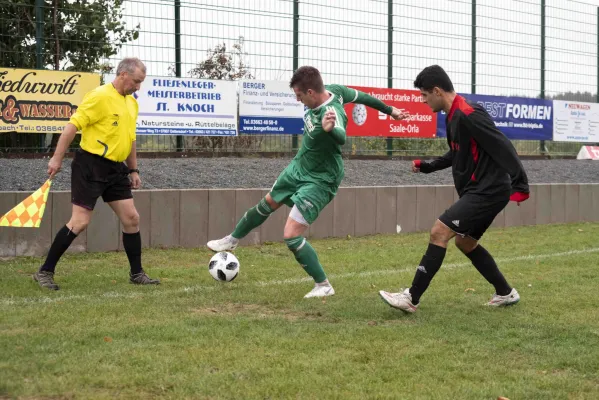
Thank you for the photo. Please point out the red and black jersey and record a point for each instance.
(483, 160)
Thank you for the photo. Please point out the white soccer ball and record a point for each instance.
(359, 114)
(224, 266)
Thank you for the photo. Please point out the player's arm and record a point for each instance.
(331, 124)
(131, 162)
(439, 163)
(66, 138)
(500, 149)
(351, 95)
(373, 102)
(339, 135)
(87, 113)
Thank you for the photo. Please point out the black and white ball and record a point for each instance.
(224, 266)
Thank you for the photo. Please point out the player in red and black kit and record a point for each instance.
(487, 174)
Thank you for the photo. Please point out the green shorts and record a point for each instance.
(309, 195)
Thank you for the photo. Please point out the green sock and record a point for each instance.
(253, 218)
(305, 255)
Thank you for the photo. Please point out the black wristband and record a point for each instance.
(133, 170)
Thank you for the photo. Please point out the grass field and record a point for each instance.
(256, 338)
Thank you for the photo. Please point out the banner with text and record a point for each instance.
(575, 121)
(518, 118)
(365, 121)
(269, 107)
(185, 106)
(37, 101)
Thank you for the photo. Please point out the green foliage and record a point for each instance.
(571, 96)
(225, 63)
(77, 35)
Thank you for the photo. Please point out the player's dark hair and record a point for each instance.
(431, 77)
(307, 78)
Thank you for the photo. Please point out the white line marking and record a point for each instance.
(155, 290)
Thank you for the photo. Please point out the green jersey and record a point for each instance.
(312, 178)
(320, 154)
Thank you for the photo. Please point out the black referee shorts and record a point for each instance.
(93, 176)
(472, 214)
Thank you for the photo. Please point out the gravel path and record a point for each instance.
(188, 173)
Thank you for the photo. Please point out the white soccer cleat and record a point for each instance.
(227, 243)
(507, 300)
(402, 300)
(321, 290)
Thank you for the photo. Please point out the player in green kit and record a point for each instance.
(312, 178)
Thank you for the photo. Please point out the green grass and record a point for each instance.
(193, 337)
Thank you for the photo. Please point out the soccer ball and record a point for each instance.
(359, 114)
(224, 266)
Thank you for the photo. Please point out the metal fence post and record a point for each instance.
(542, 144)
(390, 63)
(178, 55)
(473, 49)
(294, 138)
(39, 51)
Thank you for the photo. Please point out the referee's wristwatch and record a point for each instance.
(133, 170)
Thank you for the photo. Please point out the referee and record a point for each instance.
(105, 165)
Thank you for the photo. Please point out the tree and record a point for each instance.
(578, 96)
(225, 63)
(77, 35)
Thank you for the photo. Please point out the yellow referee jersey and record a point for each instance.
(107, 120)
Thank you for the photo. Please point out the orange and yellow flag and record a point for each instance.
(29, 212)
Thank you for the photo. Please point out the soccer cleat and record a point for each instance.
(402, 300)
(143, 279)
(507, 300)
(227, 243)
(321, 290)
(45, 279)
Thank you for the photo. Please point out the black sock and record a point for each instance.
(430, 264)
(485, 264)
(61, 243)
(132, 245)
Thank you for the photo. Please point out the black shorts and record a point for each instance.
(472, 214)
(93, 176)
